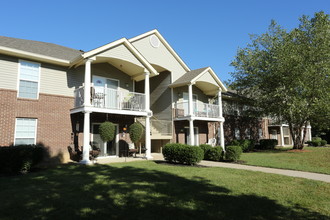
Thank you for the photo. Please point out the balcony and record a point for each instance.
(200, 109)
(106, 98)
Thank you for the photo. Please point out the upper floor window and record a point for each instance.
(25, 131)
(29, 76)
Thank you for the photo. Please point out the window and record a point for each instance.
(260, 132)
(25, 131)
(247, 133)
(237, 134)
(29, 74)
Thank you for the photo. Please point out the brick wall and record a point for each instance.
(53, 114)
(242, 123)
(179, 131)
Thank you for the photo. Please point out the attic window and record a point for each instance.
(154, 41)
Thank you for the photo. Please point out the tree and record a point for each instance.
(287, 74)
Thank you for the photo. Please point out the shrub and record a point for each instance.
(266, 144)
(22, 158)
(205, 148)
(246, 145)
(214, 153)
(323, 142)
(316, 141)
(107, 131)
(135, 132)
(183, 154)
(233, 153)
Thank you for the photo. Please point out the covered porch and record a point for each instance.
(205, 106)
(110, 73)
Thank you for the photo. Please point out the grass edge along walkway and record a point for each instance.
(292, 173)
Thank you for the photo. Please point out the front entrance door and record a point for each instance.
(109, 148)
(107, 88)
(186, 103)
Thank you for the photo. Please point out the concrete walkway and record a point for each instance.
(292, 173)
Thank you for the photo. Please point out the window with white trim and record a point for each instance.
(29, 75)
(237, 134)
(25, 131)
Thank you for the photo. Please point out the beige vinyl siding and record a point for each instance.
(159, 56)
(122, 53)
(55, 80)
(109, 71)
(8, 72)
(207, 77)
(201, 97)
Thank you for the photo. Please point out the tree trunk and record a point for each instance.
(297, 137)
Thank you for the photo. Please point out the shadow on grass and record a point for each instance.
(106, 192)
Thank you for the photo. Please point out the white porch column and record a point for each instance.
(191, 140)
(190, 100)
(220, 103)
(222, 137)
(85, 158)
(87, 83)
(222, 134)
(147, 107)
(309, 129)
(282, 137)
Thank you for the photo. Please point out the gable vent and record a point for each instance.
(154, 41)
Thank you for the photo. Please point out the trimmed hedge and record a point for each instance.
(317, 142)
(323, 142)
(20, 159)
(233, 153)
(135, 132)
(205, 148)
(183, 154)
(267, 144)
(246, 145)
(214, 153)
(107, 131)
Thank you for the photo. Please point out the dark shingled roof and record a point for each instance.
(42, 48)
(188, 76)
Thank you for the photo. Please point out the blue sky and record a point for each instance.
(203, 33)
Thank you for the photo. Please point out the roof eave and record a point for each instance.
(34, 56)
(128, 45)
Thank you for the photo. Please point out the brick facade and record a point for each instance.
(53, 119)
(243, 123)
(203, 131)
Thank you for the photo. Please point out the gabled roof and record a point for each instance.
(166, 44)
(188, 77)
(193, 76)
(128, 45)
(41, 48)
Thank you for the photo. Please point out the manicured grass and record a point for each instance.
(313, 159)
(146, 190)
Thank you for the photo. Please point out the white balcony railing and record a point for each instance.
(111, 99)
(199, 109)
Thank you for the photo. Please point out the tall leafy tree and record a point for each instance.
(287, 74)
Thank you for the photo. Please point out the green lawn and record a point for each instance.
(147, 190)
(314, 159)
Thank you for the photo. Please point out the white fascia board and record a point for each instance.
(29, 55)
(128, 45)
(215, 77)
(167, 45)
